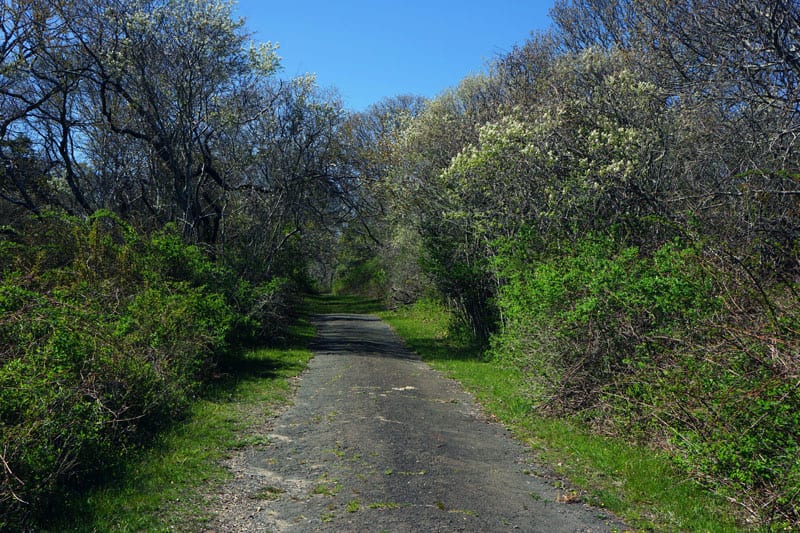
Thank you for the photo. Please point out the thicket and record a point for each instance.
(106, 335)
(667, 348)
(613, 209)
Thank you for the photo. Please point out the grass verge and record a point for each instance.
(638, 484)
(165, 486)
(327, 303)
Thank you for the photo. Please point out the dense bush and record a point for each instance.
(666, 347)
(260, 310)
(105, 336)
(724, 394)
(366, 277)
(577, 320)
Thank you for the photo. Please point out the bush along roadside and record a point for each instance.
(667, 348)
(106, 336)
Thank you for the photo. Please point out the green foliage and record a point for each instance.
(165, 485)
(260, 311)
(727, 401)
(651, 346)
(363, 277)
(105, 337)
(171, 258)
(461, 274)
(577, 320)
(190, 326)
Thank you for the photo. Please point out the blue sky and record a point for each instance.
(369, 50)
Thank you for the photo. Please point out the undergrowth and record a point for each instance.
(671, 347)
(165, 485)
(107, 336)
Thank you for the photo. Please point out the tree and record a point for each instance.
(291, 185)
(370, 243)
(30, 34)
(728, 72)
(175, 97)
(445, 127)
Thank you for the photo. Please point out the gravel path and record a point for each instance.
(378, 441)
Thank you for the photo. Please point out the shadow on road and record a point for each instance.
(344, 334)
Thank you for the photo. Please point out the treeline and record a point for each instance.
(164, 196)
(613, 209)
(164, 111)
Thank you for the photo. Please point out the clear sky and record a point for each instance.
(369, 50)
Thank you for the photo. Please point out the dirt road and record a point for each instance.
(378, 441)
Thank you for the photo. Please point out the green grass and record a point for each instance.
(330, 303)
(164, 486)
(640, 485)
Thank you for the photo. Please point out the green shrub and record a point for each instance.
(169, 257)
(670, 348)
(54, 423)
(260, 311)
(726, 398)
(576, 320)
(105, 337)
(188, 329)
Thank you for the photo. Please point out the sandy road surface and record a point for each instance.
(378, 441)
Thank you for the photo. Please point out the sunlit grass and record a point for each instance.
(165, 486)
(329, 303)
(638, 484)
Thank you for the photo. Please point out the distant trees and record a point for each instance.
(377, 255)
(451, 256)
